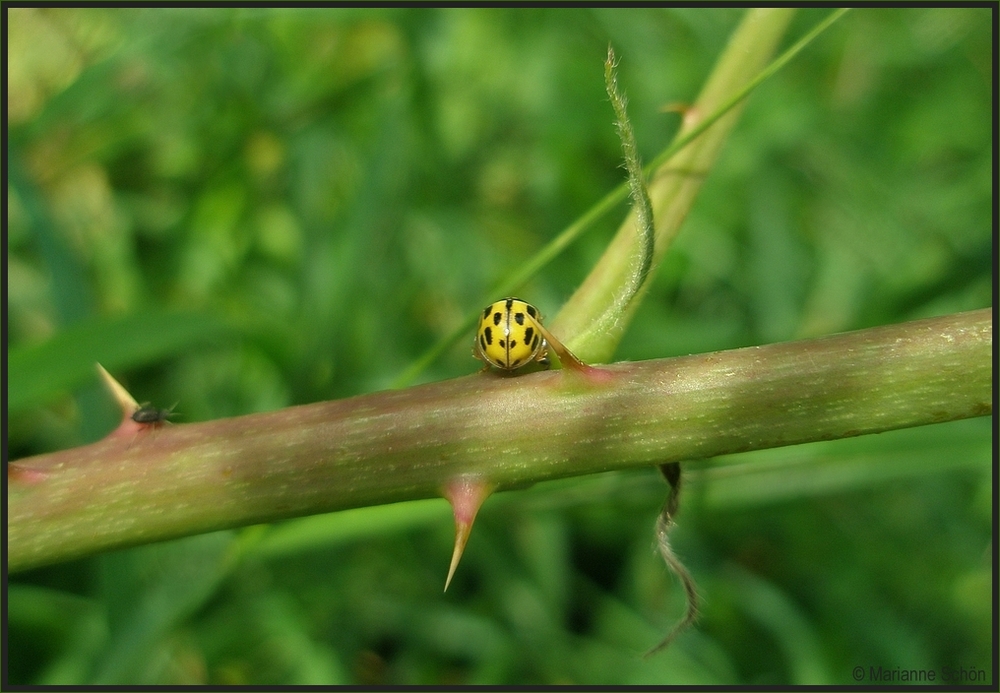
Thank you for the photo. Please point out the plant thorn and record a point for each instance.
(126, 401)
(466, 495)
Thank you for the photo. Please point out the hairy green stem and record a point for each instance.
(512, 431)
(592, 322)
(642, 207)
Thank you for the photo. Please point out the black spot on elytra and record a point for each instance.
(488, 334)
(502, 342)
(486, 312)
(514, 362)
(531, 311)
(534, 343)
(528, 334)
(513, 343)
(496, 318)
(519, 318)
(482, 341)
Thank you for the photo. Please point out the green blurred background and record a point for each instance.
(241, 210)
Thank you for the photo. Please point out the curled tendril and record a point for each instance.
(664, 523)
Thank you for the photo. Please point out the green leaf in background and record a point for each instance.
(36, 374)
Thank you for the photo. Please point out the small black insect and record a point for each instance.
(147, 414)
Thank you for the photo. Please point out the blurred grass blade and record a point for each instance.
(147, 604)
(77, 624)
(335, 529)
(70, 287)
(796, 637)
(821, 469)
(688, 136)
(38, 373)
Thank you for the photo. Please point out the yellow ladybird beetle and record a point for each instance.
(511, 335)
